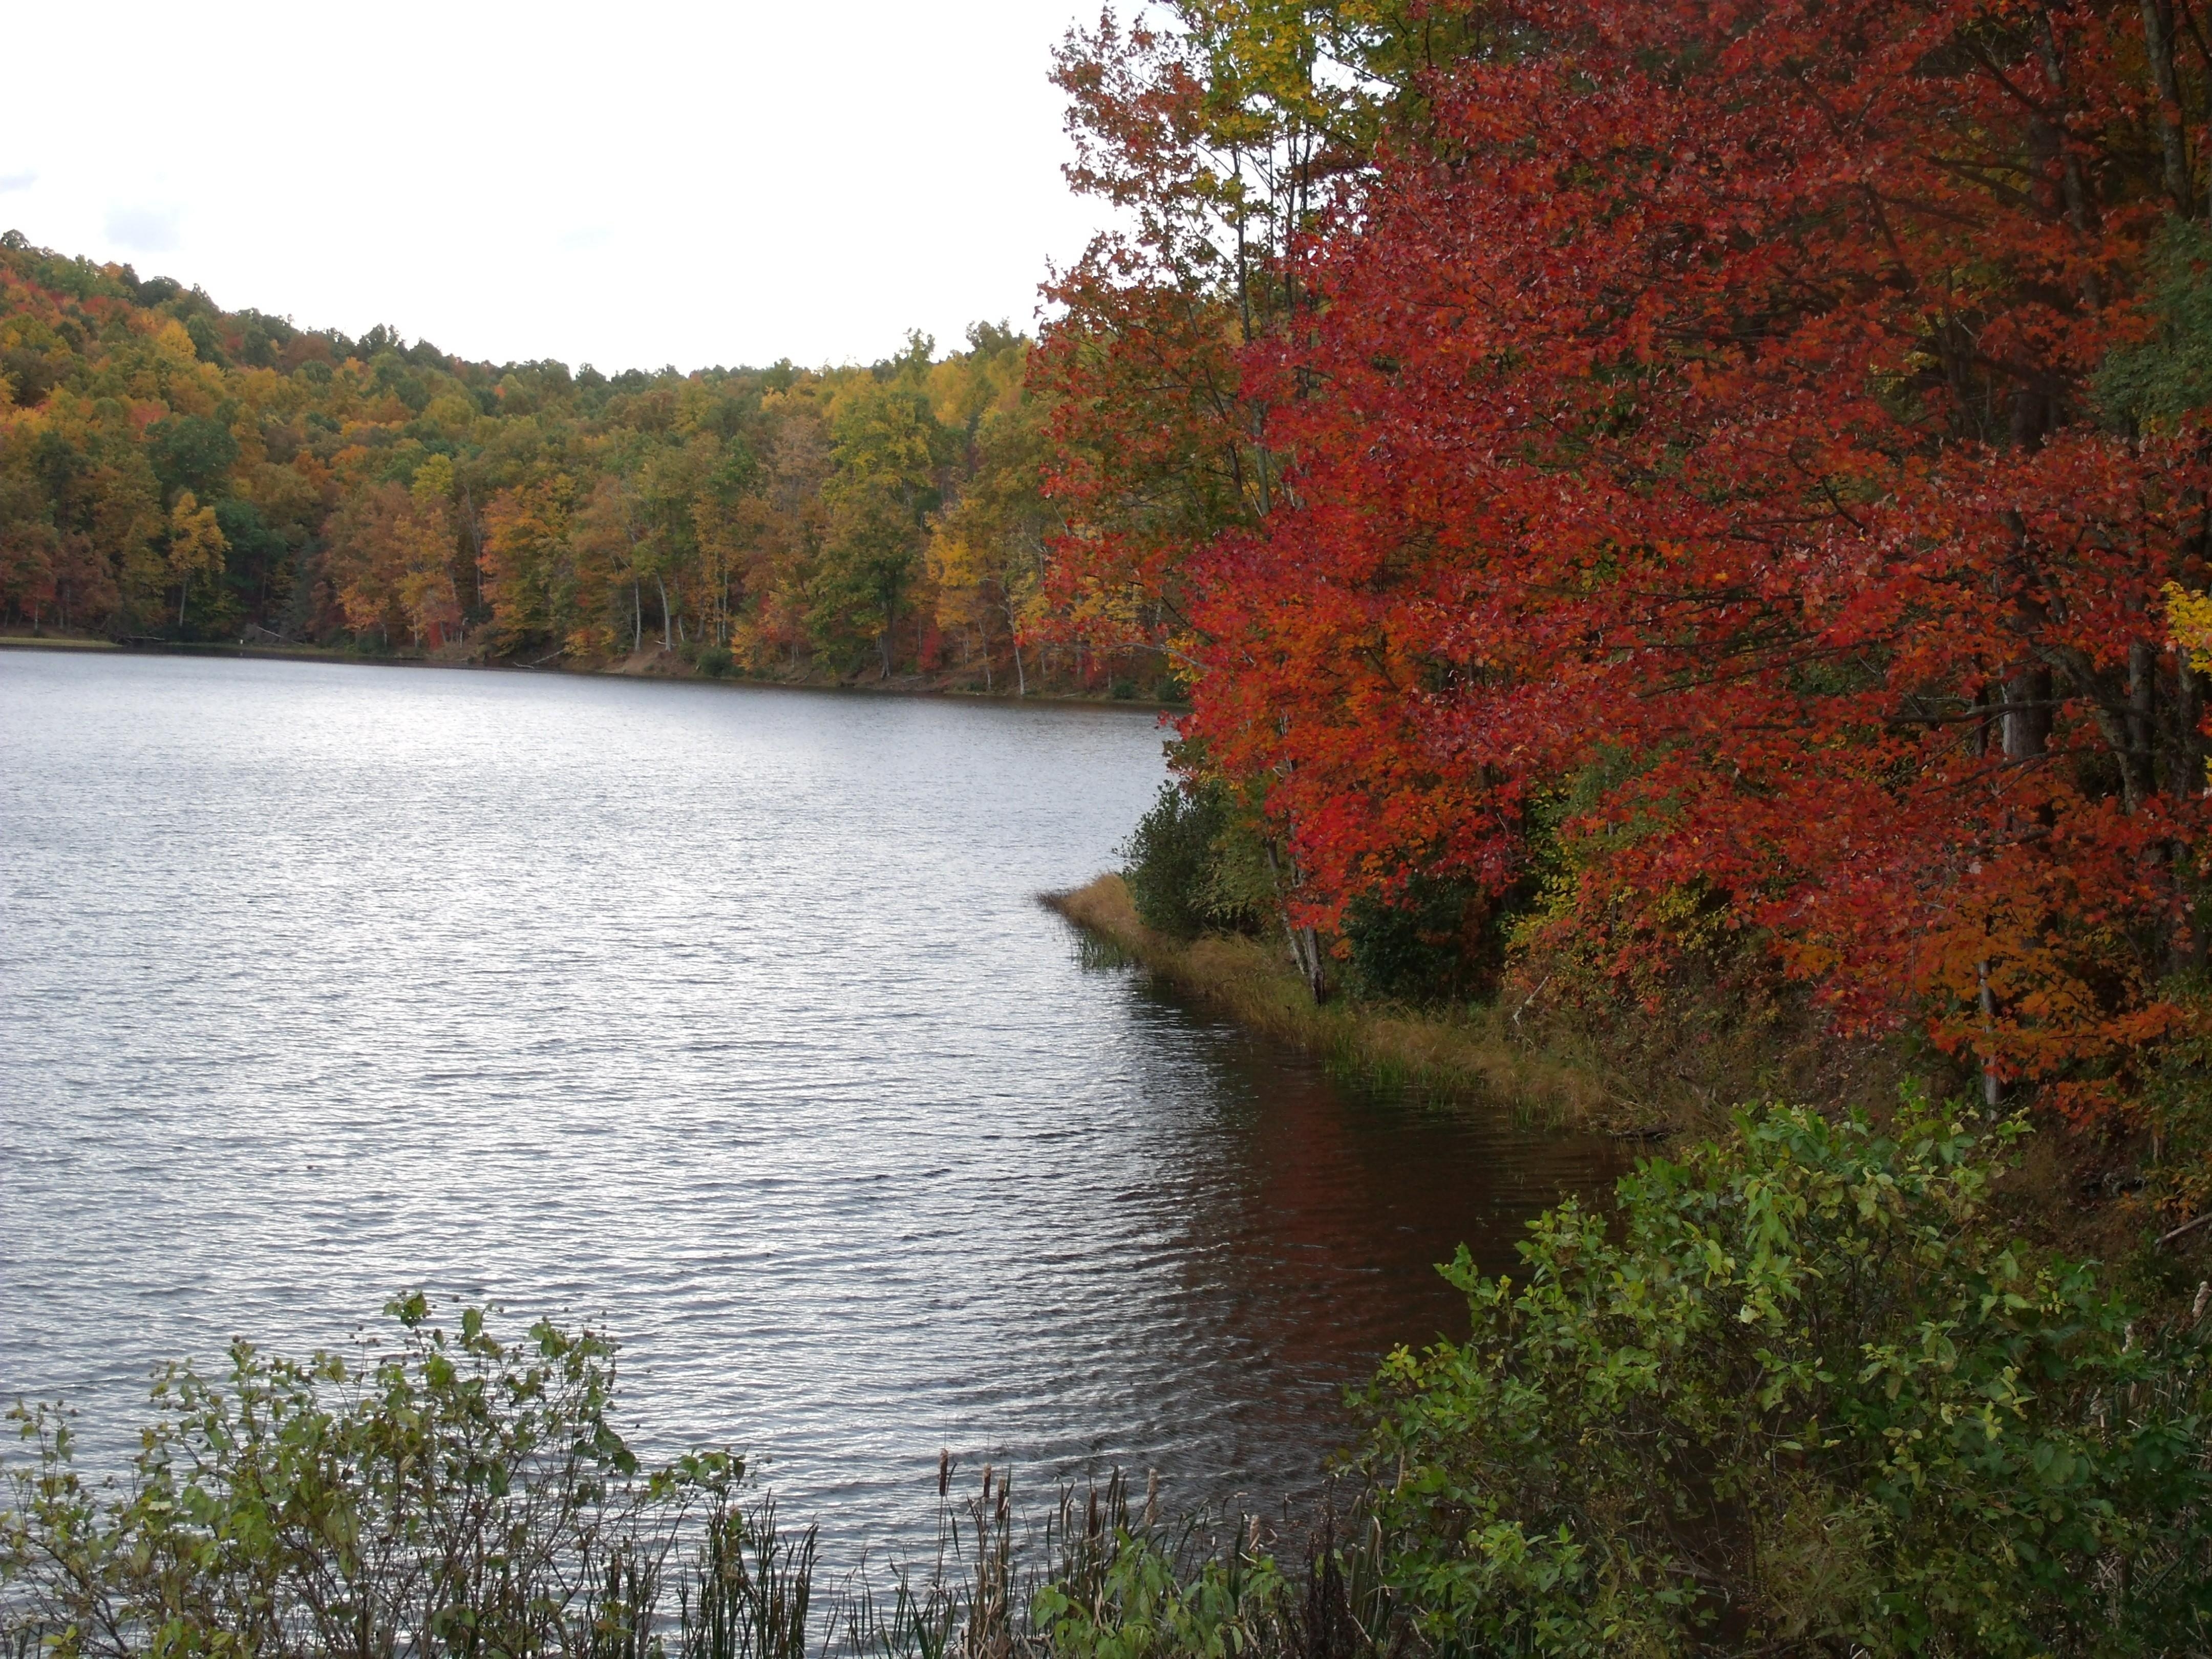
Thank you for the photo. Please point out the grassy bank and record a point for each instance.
(1253, 983)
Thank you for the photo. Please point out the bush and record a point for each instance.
(1170, 859)
(1193, 863)
(1130, 1588)
(459, 1496)
(1422, 946)
(455, 1494)
(1816, 1399)
(715, 660)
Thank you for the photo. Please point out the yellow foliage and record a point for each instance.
(2189, 620)
(197, 546)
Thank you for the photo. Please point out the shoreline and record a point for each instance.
(654, 665)
(1475, 1053)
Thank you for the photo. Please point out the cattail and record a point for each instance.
(944, 1471)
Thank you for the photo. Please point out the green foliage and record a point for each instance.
(1815, 1398)
(2157, 382)
(1193, 862)
(1420, 946)
(1168, 857)
(2179, 1096)
(189, 452)
(451, 1494)
(1142, 1601)
(1124, 1586)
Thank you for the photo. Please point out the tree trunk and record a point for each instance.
(2189, 719)
(1992, 1084)
(1305, 946)
(475, 547)
(2158, 45)
(2140, 778)
(2026, 728)
(2077, 199)
(667, 636)
(2028, 714)
(2188, 782)
(1316, 970)
(636, 615)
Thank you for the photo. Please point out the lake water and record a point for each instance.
(725, 1015)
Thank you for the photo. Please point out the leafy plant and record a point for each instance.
(1807, 1394)
(1193, 863)
(453, 1493)
(1420, 944)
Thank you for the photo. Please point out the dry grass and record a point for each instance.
(1254, 983)
(1675, 1073)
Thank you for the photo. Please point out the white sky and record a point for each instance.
(627, 185)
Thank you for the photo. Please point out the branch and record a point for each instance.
(2185, 1227)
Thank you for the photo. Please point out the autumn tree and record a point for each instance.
(1695, 492)
(880, 491)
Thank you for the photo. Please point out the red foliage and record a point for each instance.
(1695, 466)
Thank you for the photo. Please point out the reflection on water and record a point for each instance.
(725, 1015)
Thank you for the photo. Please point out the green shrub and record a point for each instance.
(1193, 862)
(1169, 857)
(2155, 383)
(1814, 1399)
(715, 660)
(1418, 947)
(452, 1494)
(1144, 1600)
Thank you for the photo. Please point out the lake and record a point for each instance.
(724, 1015)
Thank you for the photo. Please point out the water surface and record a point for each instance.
(724, 1015)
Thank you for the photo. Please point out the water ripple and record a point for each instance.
(723, 1015)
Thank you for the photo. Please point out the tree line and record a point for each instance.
(171, 471)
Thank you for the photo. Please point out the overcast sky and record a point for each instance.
(628, 186)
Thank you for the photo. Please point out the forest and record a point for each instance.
(170, 472)
(1684, 526)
